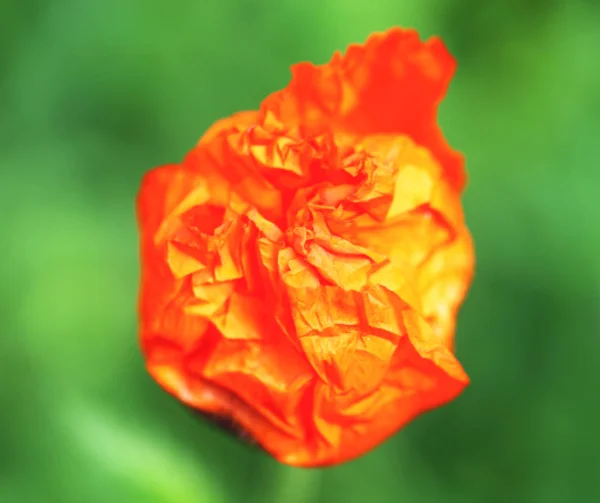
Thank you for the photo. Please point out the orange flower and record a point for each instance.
(303, 266)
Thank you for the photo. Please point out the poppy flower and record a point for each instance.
(303, 266)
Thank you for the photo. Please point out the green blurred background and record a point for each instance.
(94, 93)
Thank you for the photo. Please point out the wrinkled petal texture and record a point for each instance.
(302, 268)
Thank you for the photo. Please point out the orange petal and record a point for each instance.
(391, 84)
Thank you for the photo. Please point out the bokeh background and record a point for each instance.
(94, 93)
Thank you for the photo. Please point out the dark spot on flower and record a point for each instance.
(226, 424)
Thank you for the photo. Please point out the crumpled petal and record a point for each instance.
(303, 267)
(391, 84)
